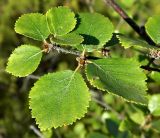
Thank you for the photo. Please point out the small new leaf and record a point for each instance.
(96, 30)
(122, 77)
(154, 105)
(24, 60)
(155, 76)
(71, 39)
(153, 28)
(59, 99)
(33, 25)
(128, 42)
(60, 20)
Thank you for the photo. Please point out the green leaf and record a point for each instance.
(70, 39)
(153, 28)
(96, 30)
(33, 25)
(154, 105)
(59, 99)
(155, 76)
(138, 117)
(61, 20)
(24, 60)
(128, 42)
(122, 77)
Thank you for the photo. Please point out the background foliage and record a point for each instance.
(108, 116)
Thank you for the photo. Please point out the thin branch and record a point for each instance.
(140, 30)
(150, 68)
(67, 51)
(90, 5)
(36, 131)
(78, 53)
(33, 77)
(107, 107)
(98, 98)
(60, 49)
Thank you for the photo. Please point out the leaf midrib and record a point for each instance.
(39, 32)
(108, 73)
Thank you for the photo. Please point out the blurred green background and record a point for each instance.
(108, 116)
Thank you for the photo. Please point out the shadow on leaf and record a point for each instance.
(90, 40)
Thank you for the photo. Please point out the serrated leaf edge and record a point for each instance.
(114, 93)
(122, 44)
(74, 23)
(36, 13)
(74, 119)
(111, 33)
(110, 37)
(146, 26)
(101, 45)
(119, 39)
(13, 53)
